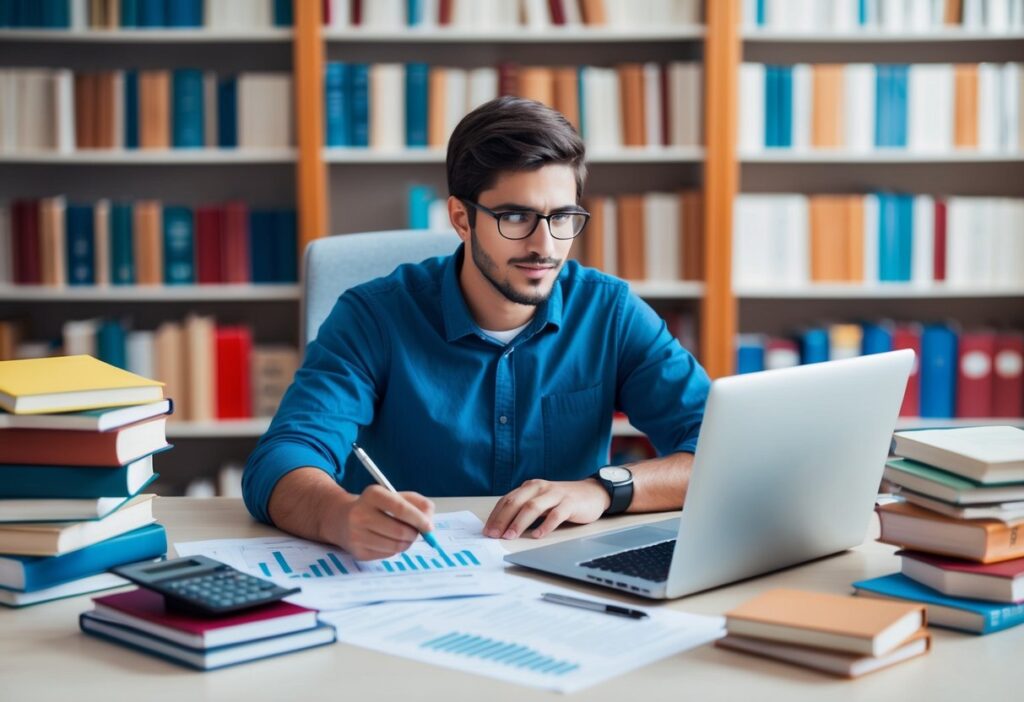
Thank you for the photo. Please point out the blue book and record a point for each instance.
(414, 12)
(904, 236)
(814, 345)
(762, 13)
(283, 13)
(111, 343)
(152, 13)
(975, 616)
(261, 246)
(122, 256)
(131, 109)
(179, 246)
(420, 197)
(359, 104)
(876, 338)
(900, 87)
(187, 108)
(771, 107)
(785, 106)
(336, 122)
(79, 482)
(184, 13)
(882, 122)
(80, 242)
(416, 77)
(227, 112)
(29, 573)
(749, 354)
(7, 13)
(286, 241)
(889, 256)
(938, 371)
(129, 13)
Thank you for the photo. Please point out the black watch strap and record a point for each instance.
(621, 494)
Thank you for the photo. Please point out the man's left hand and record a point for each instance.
(578, 501)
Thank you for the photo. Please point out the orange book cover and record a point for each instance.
(827, 106)
(631, 87)
(567, 94)
(822, 229)
(591, 242)
(593, 12)
(85, 99)
(105, 110)
(981, 540)
(537, 83)
(168, 352)
(148, 239)
(437, 98)
(854, 208)
(52, 250)
(953, 10)
(631, 237)
(965, 106)
(692, 221)
(154, 109)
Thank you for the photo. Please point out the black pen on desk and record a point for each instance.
(617, 610)
(383, 481)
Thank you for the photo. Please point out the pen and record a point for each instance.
(594, 606)
(383, 481)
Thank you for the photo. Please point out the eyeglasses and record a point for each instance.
(519, 224)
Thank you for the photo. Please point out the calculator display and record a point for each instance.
(172, 566)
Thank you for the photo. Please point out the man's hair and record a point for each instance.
(510, 134)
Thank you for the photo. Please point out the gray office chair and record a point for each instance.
(334, 264)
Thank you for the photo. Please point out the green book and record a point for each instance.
(945, 486)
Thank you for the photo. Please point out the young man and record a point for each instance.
(493, 371)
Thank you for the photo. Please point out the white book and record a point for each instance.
(79, 12)
(625, 13)
(988, 455)
(845, 16)
(57, 509)
(775, 14)
(611, 103)
(930, 107)
(139, 348)
(80, 336)
(610, 234)
(92, 583)
(870, 238)
(893, 15)
(984, 253)
(653, 136)
(686, 104)
(807, 16)
(8, 123)
(456, 88)
(751, 108)
(341, 13)
(384, 14)
(958, 240)
(482, 86)
(508, 13)
(872, 14)
(482, 15)
(922, 247)
(749, 18)
(802, 105)
(1010, 115)
(997, 16)
(795, 240)
(1016, 15)
(919, 16)
(210, 138)
(859, 106)
(601, 131)
(573, 15)
(990, 106)
(265, 110)
(1006, 260)
(64, 110)
(387, 106)
(973, 15)
(661, 236)
(101, 242)
(537, 14)
(437, 215)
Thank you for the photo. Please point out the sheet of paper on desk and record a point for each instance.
(469, 564)
(519, 638)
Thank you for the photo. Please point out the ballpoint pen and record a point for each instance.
(617, 610)
(383, 481)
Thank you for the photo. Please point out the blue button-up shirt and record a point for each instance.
(401, 367)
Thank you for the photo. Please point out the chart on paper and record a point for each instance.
(301, 561)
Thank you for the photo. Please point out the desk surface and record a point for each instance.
(43, 655)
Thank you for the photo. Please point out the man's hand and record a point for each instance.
(579, 502)
(378, 523)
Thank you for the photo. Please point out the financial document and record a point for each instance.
(520, 638)
(466, 564)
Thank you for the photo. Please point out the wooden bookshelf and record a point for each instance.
(149, 294)
(185, 35)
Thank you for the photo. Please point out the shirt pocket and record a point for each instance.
(572, 433)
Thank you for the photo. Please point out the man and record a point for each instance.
(493, 371)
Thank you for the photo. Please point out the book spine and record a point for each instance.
(122, 255)
(359, 107)
(187, 104)
(261, 244)
(938, 371)
(416, 80)
(227, 112)
(336, 105)
(179, 246)
(286, 246)
(1008, 386)
(974, 383)
(111, 344)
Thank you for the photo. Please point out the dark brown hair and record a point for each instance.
(510, 134)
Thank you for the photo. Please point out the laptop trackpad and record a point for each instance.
(640, 535)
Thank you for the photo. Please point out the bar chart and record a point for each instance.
(499, 652)
(296, 564)
(318, 569)
(420, 562)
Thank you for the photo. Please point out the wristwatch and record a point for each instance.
(618, 481)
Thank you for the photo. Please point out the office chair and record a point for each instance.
(334, 264)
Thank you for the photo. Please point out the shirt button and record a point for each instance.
(503, 419)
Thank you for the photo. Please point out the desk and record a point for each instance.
(43, 656)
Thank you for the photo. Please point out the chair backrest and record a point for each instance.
(336, 263)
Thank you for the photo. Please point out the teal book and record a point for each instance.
(416, 77)
(75, 482)
(187, 109)
(80, 240)
(122, 255)
(336, 122)
(179, 246)
(227, 112)
(286, 246)
(111, 343)
(420, 197)
(131, 103)
(974, 616)
(359, 104)
(130, 13)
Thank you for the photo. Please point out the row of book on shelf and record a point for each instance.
(51, 242)
(57, 109)
(968, 374)
(889, 16)
(861, 107)
(214, 370)
(394, 106)
(79, 15)
(792, 239)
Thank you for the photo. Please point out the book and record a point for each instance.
(982, 540)
(145, 611)
(29, 573)
(209, 659)
(82, 586)
(88, 448)
(835, 622)
(75, 482)
(948, 487)
(59, 509)
(973, 616)
(996, 582)
(1003, 511)
(991, 454)
(87, 420)
(68, 383)
(56, 538)
(848, 665)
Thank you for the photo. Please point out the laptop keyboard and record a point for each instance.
(648, 562)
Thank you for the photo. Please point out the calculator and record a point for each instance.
(201, 585)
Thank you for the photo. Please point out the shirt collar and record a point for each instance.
(458, 322)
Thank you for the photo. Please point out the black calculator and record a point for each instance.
(201, 585)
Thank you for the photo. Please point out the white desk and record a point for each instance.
(43, 656)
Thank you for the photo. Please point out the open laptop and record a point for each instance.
(787, 468)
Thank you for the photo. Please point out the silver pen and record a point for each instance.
(594, 606)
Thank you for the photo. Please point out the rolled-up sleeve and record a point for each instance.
(661, 387)
(333, 394)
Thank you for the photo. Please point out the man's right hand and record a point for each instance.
(378, 523)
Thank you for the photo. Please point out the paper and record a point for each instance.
(517, 637)
(330, 578)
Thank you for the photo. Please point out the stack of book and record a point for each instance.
(141, 619)
(76, 450)
(960, 525)
(832, 633)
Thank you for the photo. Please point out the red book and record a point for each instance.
(557, 11)
(939, 248)
(999, 582)
(233, 353)
(66, 447)
(209, 232)
(326, 12)
(357, 12)
(508, 78)
(145, 610)
(235, 238)
(28, 269)
(444, 13)
(974, 375)
(1008, 381)
(908, 336)
(666, 125)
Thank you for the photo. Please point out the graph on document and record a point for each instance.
(499, 652)
(309, 562)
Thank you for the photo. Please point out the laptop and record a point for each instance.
(787, 468)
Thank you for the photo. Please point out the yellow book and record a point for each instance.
(71, 383)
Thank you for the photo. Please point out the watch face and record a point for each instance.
(615, 474)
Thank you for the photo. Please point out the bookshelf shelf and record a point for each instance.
(892, 157)
(667, 290)
(764, 36)
(516, 35)
(147, 36)
(354, 156)
(149, 293)
(153, 157)
(222, 428)
(883, 291)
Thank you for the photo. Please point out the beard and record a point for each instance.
(489, 268)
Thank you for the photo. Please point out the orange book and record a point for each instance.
(827, 106)
(537, 83)
(854, 235)
(821, 239)
(835, 622)
(953, 12)
(154, 109)
(965, 106)
(105, 110)
(85, 114)
(631, 237)
(591, 242)
(631, 85)
(692, 221)
(52, 244)
(148, 239)
(567, 94)
(168, 352)
(62, 447)
(437, 98)
(593, 12)
(981, 540)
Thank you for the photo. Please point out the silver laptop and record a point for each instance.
(787, 468)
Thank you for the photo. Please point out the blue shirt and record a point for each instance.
(401, 367)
